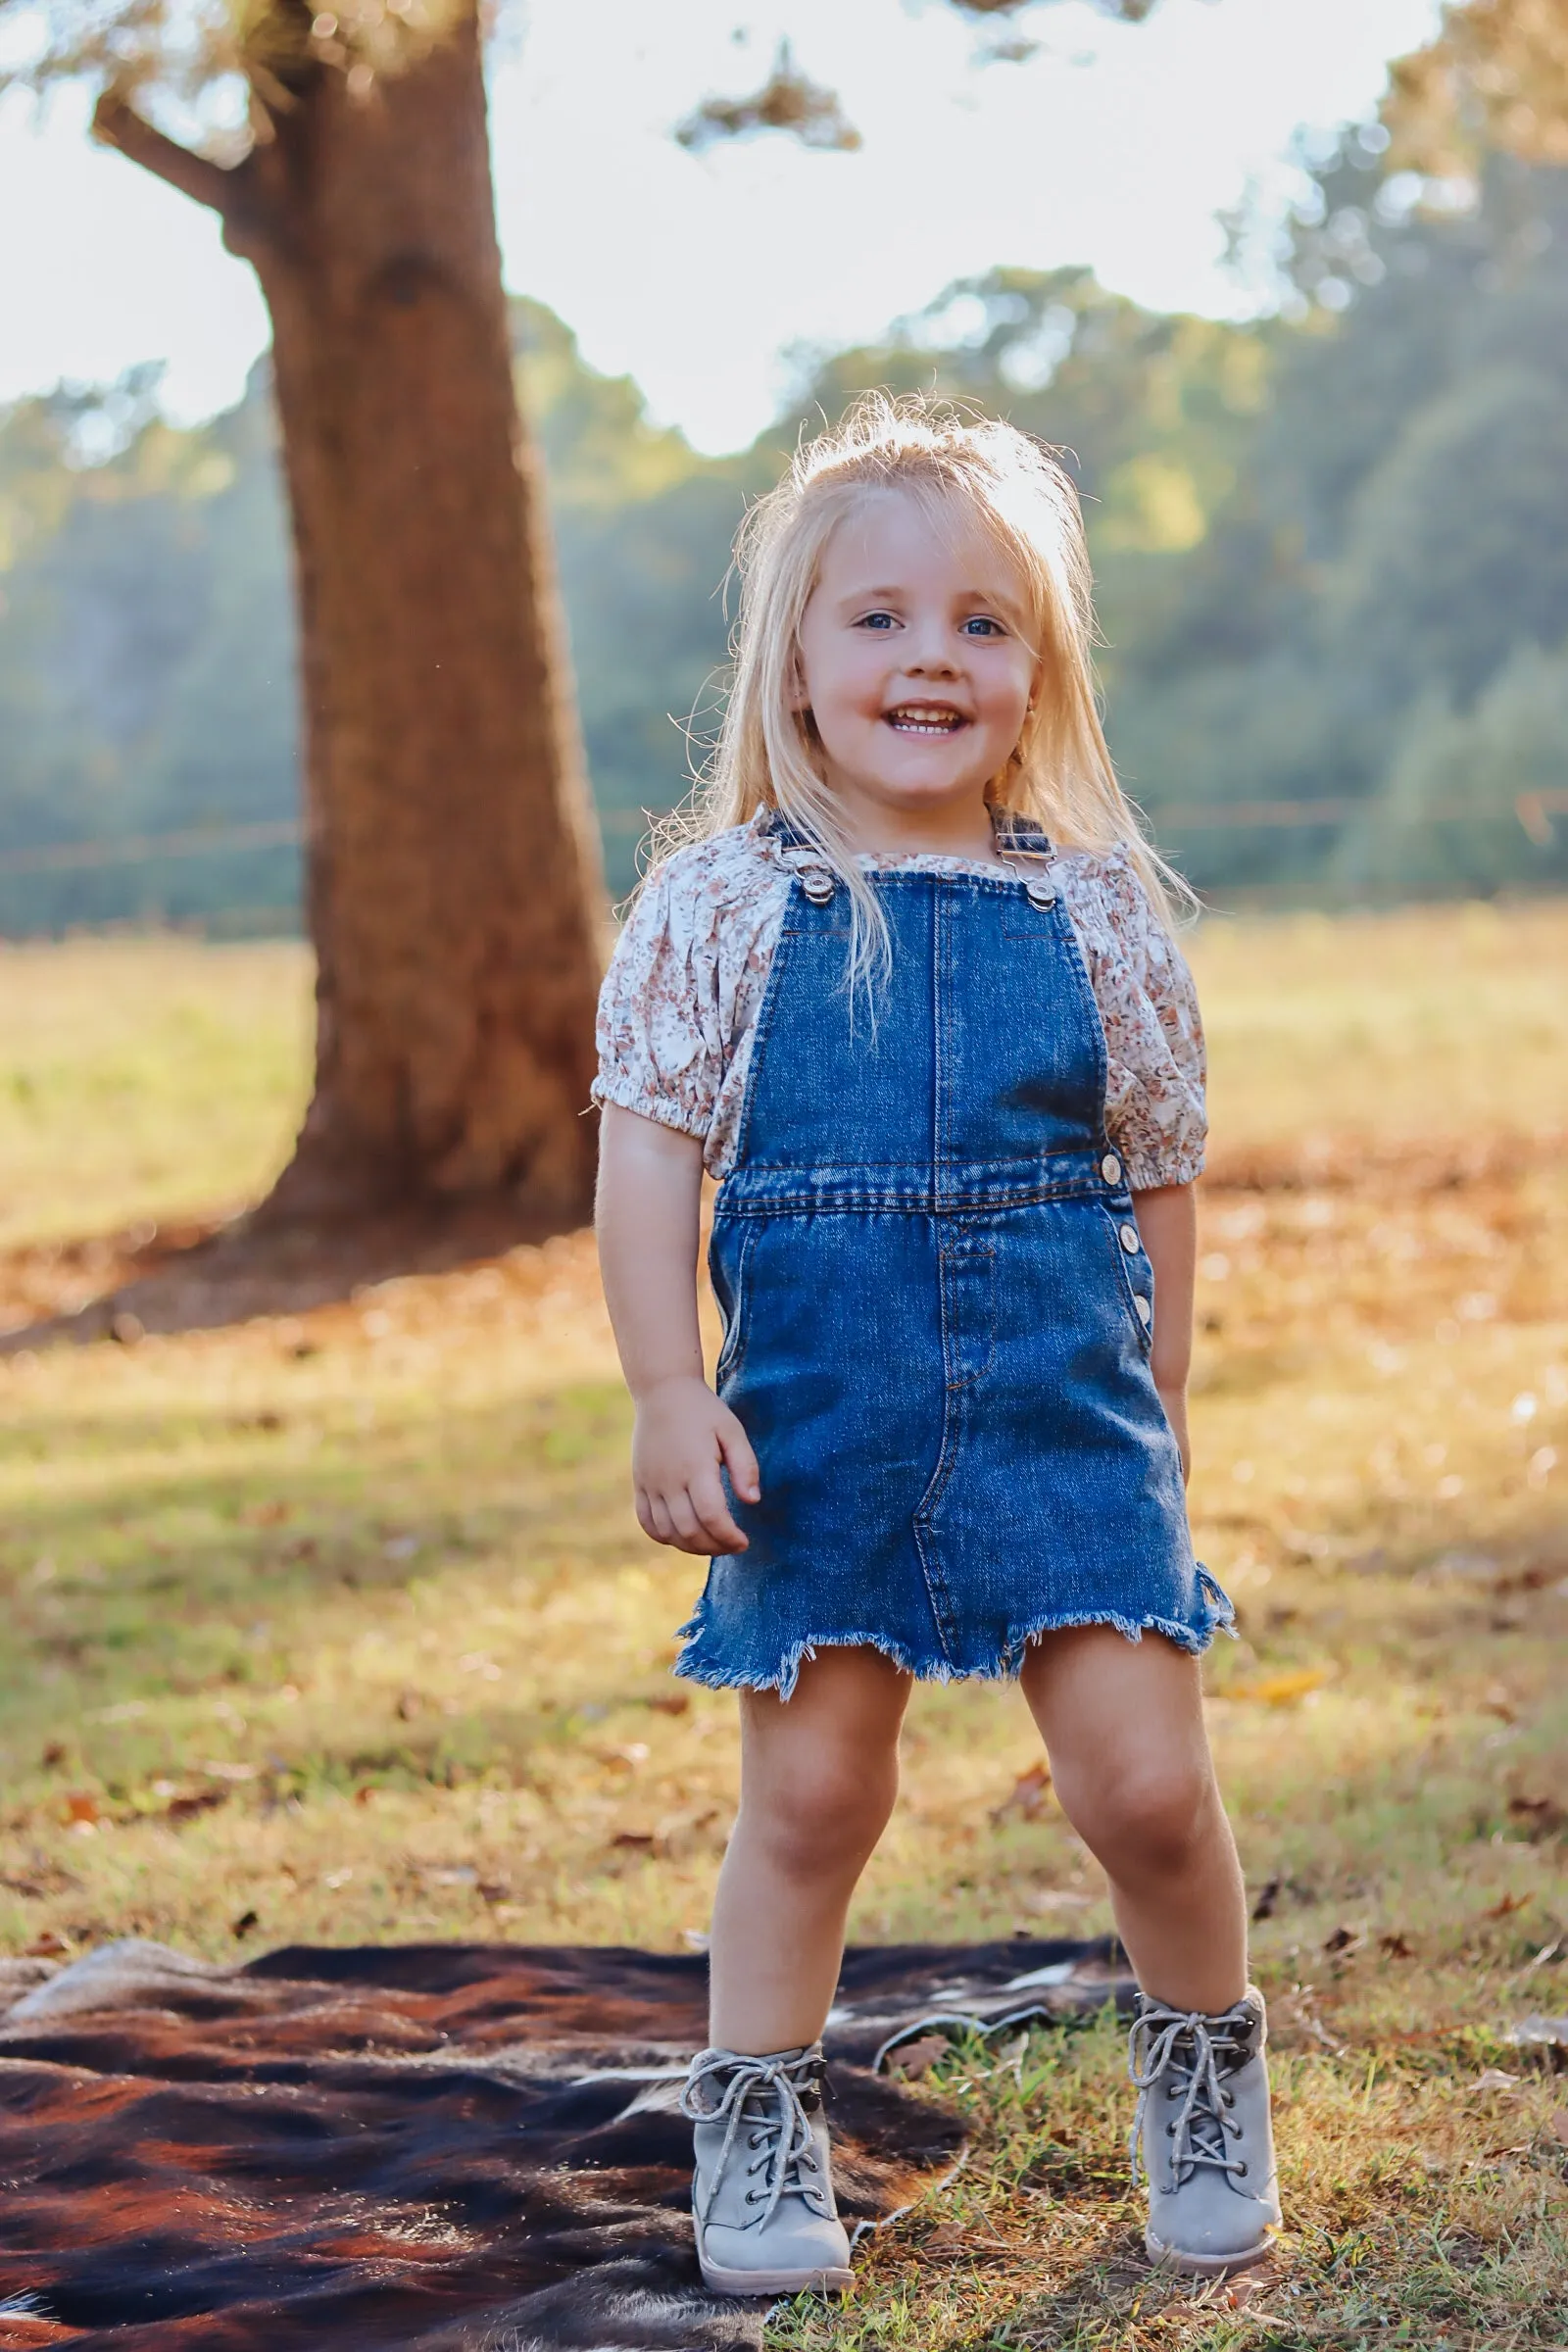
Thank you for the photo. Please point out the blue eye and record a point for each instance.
(981, 625)
(875, 620)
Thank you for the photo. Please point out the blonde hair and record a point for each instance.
(1060, 774)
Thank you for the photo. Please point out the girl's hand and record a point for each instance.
(682, 1436)
(650, 1194)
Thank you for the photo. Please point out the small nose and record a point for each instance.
(930, 652)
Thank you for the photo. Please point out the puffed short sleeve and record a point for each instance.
(1155, 1111)
(660, 1037)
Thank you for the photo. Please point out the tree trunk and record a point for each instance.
(454, 894)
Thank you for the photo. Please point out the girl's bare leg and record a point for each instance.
(818, 1778)
(1123, 1724)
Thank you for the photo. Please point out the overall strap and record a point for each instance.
(1020, 835)
(1015, 837)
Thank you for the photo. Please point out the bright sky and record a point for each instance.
(1115, 145)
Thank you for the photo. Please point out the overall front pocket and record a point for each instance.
(1135, 1276)
(729, 1250)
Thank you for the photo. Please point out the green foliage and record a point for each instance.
(146, 651)
(642, 529)
(1508, 748)
(1327, 546)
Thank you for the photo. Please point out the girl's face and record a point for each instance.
(917, 663)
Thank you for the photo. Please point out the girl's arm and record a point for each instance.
(1167, 1219)
(649, 1221)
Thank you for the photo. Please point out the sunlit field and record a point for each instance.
(339, 1627)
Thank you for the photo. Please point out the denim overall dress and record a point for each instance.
(938, 1312)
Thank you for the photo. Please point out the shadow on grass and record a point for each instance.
(154, 1579)
(196, 1277)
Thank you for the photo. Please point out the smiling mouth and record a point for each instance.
(925, 719)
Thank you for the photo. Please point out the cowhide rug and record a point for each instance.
(454, 2147)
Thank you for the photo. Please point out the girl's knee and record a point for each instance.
(1146, 1820)
(825, 1815)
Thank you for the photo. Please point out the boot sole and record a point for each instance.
(775, 2282)
(1206, 2266)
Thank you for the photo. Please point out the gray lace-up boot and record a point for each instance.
(762, 2195)
(1204, 2134)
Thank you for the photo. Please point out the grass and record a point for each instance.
(340, 1627)
(142, 1080)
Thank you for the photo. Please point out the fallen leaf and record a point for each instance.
(1397, 1947)
(53, 1754)
(1263, 1908)
(1237, 2294)
(1544, 2034)
(948, 2238)
(199, 1800)
(492, 1890)
(916, 2058)
(1496, 2079)
(677, 1834)
(47, 1946)
(1544, 1814)
(81, 1805)
(640, 1838)
(1027, 1798)
(670, 1702)
(244, 1924)
(1280, 1690)
(1291, 2013)
(1345, 1940)
(364, 1793)
(1509, 1903)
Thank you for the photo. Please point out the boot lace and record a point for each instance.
(763, 2099)
(1197, 2053)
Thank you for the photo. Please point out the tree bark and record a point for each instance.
(453, 884)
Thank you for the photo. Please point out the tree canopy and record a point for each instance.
(1496, 77)
(1328, 555)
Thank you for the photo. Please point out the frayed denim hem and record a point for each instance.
(1006, 1667)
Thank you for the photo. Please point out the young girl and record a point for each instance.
(912, 999)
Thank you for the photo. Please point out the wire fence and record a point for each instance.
(1534, 811)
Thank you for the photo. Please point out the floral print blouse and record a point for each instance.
(679, 1004)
